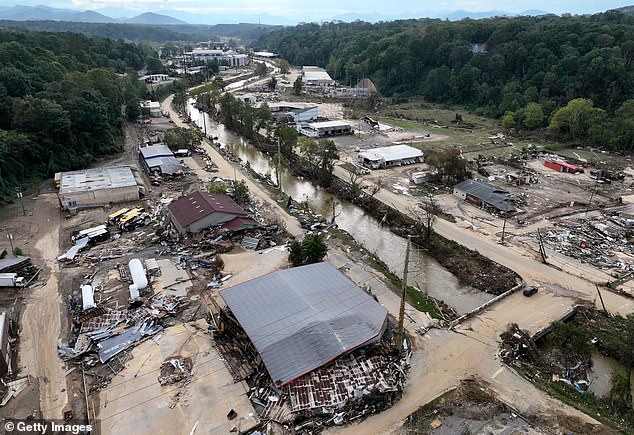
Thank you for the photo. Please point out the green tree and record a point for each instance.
(241, 192)
(298, 85)
(449, 165)
(261, 70)
(312, 249)
(155, 66)
(272, 84)
(287, 137)
(571, 339)
(532, 116)
(624, 126)
(579, 119)
(509, 120)
(182, 138)
(217, 187)
(284, 66)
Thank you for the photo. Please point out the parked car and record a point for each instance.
(530, 291)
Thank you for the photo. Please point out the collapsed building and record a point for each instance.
(314, 342)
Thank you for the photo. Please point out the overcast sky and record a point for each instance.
(324, 8)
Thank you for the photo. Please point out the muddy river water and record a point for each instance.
(424, 271)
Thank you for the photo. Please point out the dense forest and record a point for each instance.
(61, 99)
(496, 66)
(145, 33)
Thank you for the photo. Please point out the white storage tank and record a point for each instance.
(134, 292)
(137, 272)
(87, 297)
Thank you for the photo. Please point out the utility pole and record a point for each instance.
(204, 122)
(18, 191)
(10, 238)
(596, 183)
(504, 226)
(279, 164)
(542, 251)
(401, 314)
(602, 303)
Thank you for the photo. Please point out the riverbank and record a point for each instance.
(469, 266)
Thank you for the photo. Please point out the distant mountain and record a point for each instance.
(453, 16)
(230, 18)
(626, 10)
(155, 19)
(24, 13)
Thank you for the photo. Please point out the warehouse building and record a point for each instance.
(303, 318)
(98, 187)
(325, 129)
(152, 107)
(287, 113)
(229, 58)
(386, 157)
(159, 159)
(200, 210)
(315, 76)
(485, 196)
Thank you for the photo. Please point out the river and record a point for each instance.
(424, 271)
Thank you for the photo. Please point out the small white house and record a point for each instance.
(248, 98)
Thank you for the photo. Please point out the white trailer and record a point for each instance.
(11, 280)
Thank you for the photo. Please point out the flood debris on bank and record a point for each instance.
(561, 362)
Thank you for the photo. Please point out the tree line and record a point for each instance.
(61, 98)
(148, 33)
(524, 68)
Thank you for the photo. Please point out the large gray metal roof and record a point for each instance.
(499, 198)
(302, 318)
(96, 179)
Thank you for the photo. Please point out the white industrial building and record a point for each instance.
(154, 107)
(98, 187)
(325, 129)
(229, 57)
(385, 157)
(154, 78)
(315, 76)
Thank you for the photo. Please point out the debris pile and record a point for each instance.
(604, 242)
(349, 388)
(175, 370)
(517, 344)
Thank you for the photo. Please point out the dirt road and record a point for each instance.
(443, 358)
(227, 170)
(41, 318)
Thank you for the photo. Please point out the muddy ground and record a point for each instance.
(472, 408)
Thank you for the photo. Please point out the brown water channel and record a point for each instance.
(425, 272)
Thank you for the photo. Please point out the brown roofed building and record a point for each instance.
(200, 210)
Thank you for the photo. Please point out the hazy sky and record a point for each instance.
(321, 8)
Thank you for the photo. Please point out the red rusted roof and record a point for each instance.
(197, 205)
(240, 223)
